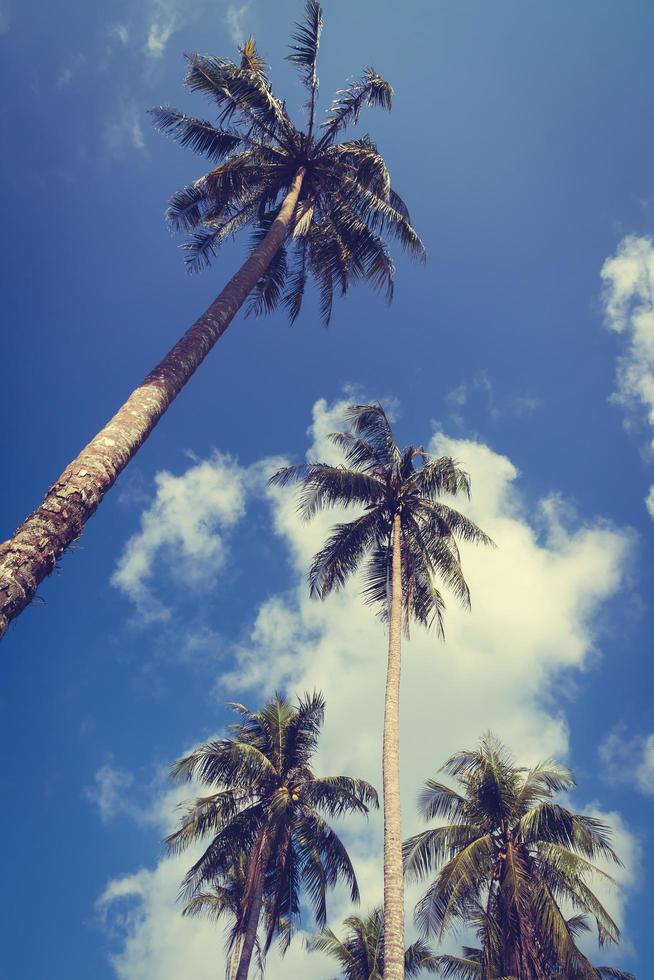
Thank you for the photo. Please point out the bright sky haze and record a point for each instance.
(521, 140)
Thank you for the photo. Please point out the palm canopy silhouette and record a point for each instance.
(390, 484)
(406, 540)
(267, 804)
(226, 898)
(469, 965)
(360, 955)
(508, 856)
(319, 203)
(345, 203)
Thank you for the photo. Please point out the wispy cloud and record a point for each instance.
(628, 760)
(70, 70)
(120, 33)
(629, 310)
(235, 19)
(123, 132)
(478, 397)
(109, 792)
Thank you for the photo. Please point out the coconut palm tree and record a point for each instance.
(468, 966)
(227, 899)
(317, 208)
(266, 803)
(406, 534)
(360, 955)
(508, 856)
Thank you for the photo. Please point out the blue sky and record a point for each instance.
(520, 139)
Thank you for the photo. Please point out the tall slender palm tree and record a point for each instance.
(266, 803)
(407, 535)
(360, 955)
(317, 207)
(508, 856)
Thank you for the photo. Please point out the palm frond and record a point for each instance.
(340, 556)
(241, 94)
(305, 42)
(198, 134)
(370, 90)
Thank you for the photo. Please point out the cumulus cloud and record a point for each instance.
(184, 532)
(533, 626)
(629, 309)
(628, 760)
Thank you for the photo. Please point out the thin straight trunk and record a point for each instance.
(393, 870)
(235, 957)
(260, 858)
(32, 553)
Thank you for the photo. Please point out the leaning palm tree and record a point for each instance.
(266, 803)
(508, 857)
(360, 955)
(407, 535)
(316, 206)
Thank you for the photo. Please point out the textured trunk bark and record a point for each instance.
(235, 957)
(254, 913)
(393, 870)
(32, 553)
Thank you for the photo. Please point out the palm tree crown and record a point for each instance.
(346, 203)
(227, 897)
(387, 481)
(469, 965)
(507, 856)
(360, 954)
(267, 803)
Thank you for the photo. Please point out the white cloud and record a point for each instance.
(158, 37)
(120, 32)
(533, 625)
(628, 760)
(109, 792)
(614, 896)
(629, 307)
(183, 531)
(124, 130)
(235, 18)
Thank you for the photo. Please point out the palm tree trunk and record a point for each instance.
(32, 553)
(235, 957)
(393, 870)
(260, 858)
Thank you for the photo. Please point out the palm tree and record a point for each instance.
(468, 966)
(317, 207)
(361, 954)
(408, 535)
(227, 898)
(506, 857)
(267, 803)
